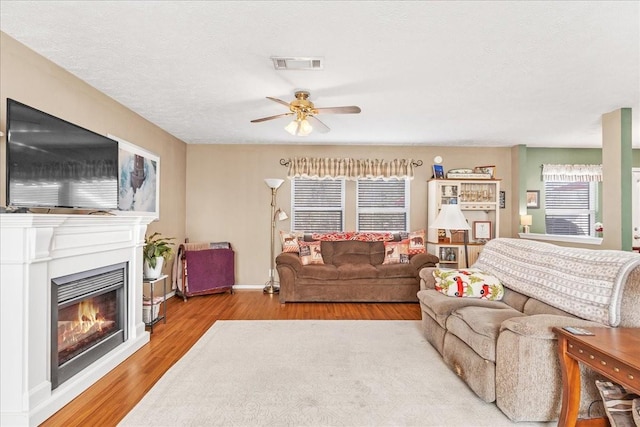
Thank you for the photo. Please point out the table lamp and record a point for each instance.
(450, 218)
(525, 222)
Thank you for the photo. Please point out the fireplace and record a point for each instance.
(88, 318)
(36, 250)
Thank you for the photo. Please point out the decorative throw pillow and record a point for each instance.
(416, 242)
(470, 283)
(334, 237)
(396, 252)
(618, 403)
(373, 237)
(310, 253)
(290, 241)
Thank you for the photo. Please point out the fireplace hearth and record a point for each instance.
(87, 319)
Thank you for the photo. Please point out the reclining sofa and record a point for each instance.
(505, 350)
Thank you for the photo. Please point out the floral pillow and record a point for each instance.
(310, 253)
(335, 236)
(396, 252)
(469, 283)
(290, 241)
(373, 237)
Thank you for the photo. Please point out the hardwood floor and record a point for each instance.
(111, 398)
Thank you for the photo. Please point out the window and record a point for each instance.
(382, 205)
(570, 207)
(317, 205)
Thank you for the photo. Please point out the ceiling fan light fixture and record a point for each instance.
(299, 127)
(305, 128)
(293, 127)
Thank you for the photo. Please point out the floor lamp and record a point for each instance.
(273, 287)
(450, 218)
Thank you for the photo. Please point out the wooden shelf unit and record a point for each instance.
(479, 200)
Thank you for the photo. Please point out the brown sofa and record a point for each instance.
(352, 271)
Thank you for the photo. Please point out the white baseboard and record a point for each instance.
(247, 287)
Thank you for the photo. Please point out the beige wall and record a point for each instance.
(214, 192)
(227, 199)
(31, 79)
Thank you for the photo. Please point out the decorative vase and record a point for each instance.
(153, 273)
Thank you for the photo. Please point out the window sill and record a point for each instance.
(586, 240)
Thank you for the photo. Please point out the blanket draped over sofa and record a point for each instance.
(505, 350)
(585, 283)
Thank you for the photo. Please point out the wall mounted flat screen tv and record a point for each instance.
(56, 164)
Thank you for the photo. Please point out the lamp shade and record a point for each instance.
(273, 182)
(526, 219)
(282, 215)
(450, 218)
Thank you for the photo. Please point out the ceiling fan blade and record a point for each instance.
(277, 116)
(317, 124)
(338, 110)
(279, 101)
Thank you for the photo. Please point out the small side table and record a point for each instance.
(152, 283)
(612, 352)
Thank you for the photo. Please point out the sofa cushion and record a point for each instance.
(470, 282)
(479, 327)
(349, 252)
(310, 253)
(357, 271)
(442, 305)
(387, 271)
(318, 271)
(396, 252)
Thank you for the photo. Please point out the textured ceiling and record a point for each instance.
(425, 73)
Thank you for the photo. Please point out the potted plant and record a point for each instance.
(156, 250)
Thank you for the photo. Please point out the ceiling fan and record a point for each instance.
(305, 112)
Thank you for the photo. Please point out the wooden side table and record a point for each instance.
(612, 352)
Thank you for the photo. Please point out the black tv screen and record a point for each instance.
(56, 164)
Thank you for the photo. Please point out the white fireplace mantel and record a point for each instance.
(34, 248)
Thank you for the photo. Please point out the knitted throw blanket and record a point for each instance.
(584, 282)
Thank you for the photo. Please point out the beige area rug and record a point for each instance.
(313, 373)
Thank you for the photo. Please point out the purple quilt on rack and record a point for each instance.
(210, 269)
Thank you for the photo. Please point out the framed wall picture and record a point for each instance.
(486, 169)
(503, 199)
(533, 199)
(438, 171)
(481, 230)
(138, 180)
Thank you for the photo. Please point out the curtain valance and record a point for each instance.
(572, 173)
(352, 169)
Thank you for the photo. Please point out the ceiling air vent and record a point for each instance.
(298, 63)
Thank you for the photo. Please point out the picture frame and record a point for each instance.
(490, 169)
(533, 199)
(503, 199)
(138, 180)
(438, 171)
(482, 230)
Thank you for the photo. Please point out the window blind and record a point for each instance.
(569, 208)
(382, 205)
(318, 205)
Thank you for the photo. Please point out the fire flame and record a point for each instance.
(89, 321)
